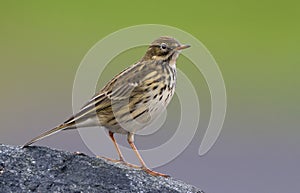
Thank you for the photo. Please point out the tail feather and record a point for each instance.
(47, 133)
(85, 118)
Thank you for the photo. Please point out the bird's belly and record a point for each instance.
(144, 114)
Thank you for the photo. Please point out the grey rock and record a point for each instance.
(41, 169)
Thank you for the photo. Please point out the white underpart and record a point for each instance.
(173, 59)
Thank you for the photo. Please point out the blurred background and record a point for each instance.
(255, 43)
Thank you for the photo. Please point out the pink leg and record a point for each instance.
(130, 140)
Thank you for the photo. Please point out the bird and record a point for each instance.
(132, 99)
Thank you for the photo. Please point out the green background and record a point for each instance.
(255, 43)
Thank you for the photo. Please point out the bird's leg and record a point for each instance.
(111, 135)
(130, 140)
(121, 158)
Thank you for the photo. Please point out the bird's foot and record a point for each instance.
(130, 165)
(154, 173)
(121, 161)
(107, 159)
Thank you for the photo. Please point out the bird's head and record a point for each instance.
(163, 48)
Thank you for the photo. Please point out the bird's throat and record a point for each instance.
(173, 59)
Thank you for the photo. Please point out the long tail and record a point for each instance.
(87, 112)
(47, 133)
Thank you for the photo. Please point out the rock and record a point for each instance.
(41, 169)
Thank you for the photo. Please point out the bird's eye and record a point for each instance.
(163, 46)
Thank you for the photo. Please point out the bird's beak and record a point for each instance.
(181, 47)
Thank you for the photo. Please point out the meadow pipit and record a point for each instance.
(133, 98)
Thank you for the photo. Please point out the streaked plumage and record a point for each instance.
(133, 98)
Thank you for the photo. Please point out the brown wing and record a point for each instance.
(129, 83)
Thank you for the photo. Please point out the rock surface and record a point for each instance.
(40, 169)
